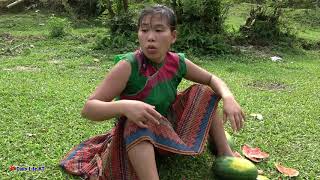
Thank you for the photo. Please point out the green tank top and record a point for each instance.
(155, 84)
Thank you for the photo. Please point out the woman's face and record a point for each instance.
(155, 37)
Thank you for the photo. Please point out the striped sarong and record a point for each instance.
(184, 131)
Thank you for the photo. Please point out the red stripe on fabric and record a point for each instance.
(166, 72)
(190, 108)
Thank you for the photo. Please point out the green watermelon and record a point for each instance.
(212, 147)
(234, 168)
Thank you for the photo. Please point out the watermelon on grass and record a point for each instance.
(254, 154)
(234, 168)
(260, 177)
(287, 171)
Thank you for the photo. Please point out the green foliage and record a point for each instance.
(286, 3)
(300, 3)
(76, 8)
(263, 26)
(200, 26)
(117, 43)
(55, 5)
(310, 17)
(309, 45)
(87, 8)
(122, 23)
(191, 38)
(58, 27)
(206, 13)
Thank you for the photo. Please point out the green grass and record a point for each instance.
(237, 16)
(45, 82)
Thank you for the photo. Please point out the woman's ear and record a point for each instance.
(174, 36)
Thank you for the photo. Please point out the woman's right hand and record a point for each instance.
(140, 113)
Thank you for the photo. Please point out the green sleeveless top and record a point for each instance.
(155, 84)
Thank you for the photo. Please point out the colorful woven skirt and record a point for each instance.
(184, 131)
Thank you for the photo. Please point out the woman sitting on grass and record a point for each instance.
(152, 118)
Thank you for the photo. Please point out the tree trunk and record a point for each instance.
(125, 5)
(109, 7)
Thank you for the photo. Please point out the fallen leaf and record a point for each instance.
(253, 114)
(254, 154)
(30, 134)
(44, 130)
(287, 171)
(257, 116)
(254, 159)
(275, 58)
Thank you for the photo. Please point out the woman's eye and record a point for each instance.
(144, 30)
(159, 30)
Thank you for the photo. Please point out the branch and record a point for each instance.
(14, 3)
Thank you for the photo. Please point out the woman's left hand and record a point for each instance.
(233, 112)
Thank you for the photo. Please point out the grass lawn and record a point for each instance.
(44, 83)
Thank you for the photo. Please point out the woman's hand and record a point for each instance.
(140, 113)
(233, 112)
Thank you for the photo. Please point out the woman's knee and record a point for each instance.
(143, 146)
(205, 88)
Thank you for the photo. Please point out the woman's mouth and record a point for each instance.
(151, 49)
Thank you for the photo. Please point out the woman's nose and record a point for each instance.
(151, 36)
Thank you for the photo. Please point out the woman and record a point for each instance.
(153, 118)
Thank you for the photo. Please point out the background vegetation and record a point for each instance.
(54, 53)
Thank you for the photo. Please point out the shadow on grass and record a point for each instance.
(181, 167)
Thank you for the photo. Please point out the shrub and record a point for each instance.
(76, 8)
(87, 8)
(118, 43)
(263, 26)
(122, 23)
(58, 27)
(207, 13)
(201, 26)
(191, 38)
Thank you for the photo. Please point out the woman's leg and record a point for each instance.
(218, 137)
(142, 158)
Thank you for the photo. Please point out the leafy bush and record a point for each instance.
(118, 43)
(122, 23)
(200, 26)
(309, 45)
(207, 13)
(76, 8)
(54, 5)
(285, 3)
(191, 38)
(87, 8)
(263, 26)
(300, 3)
(58, 27)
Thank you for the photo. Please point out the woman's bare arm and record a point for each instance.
(99, 105)
(231, 109)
